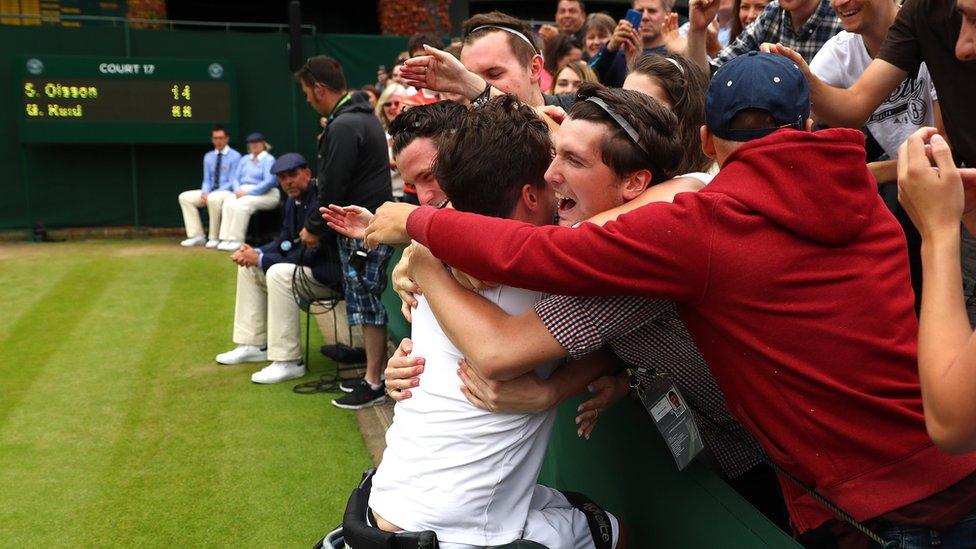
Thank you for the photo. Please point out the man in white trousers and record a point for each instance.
(219, 165)
(273, 278)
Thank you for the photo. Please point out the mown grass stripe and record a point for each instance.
(59, 438)
(38, 333)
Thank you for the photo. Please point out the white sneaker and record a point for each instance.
(229, 245)
(243, 353)
(212, 244)
(193, 241)
(279, 371)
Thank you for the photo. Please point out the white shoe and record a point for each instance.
(193, 241)
(279, 371)
(243, 353)
(212, 244)
(229, 245)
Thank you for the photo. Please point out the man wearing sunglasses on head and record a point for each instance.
(353, 168)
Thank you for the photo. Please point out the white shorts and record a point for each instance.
(555, 523)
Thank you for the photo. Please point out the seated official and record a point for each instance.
(219, 165)
(266, 319)
(254, 188)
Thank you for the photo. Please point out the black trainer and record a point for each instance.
(344, 354)
(349, 385)
(362, 396)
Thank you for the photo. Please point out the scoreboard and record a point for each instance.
(68, 99)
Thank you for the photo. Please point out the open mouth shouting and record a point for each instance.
(565, 207)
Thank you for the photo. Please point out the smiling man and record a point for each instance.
(416, 135)
(570, 17)
(468, 474)
(612, 147)
(758, 261)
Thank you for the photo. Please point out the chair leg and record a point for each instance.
(308, 323)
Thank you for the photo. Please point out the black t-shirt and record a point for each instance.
(927, 30)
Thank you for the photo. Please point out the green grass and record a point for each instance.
(118, 428)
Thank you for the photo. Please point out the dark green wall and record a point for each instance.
(92, 185)
(626, 468)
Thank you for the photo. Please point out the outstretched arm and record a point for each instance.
(851, 107)
(936, 200)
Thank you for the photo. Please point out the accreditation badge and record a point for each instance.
(670, 412)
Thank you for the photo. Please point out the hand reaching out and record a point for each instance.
(442, 72)
(349, 221)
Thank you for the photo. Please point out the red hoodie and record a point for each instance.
(792, 277)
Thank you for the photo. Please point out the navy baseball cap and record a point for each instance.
(757, 80)
(256, 136)
(288, 161)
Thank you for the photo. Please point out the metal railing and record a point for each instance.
(171, 24)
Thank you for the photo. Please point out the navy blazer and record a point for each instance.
(288, 248)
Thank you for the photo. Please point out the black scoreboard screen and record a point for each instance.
(83, 99)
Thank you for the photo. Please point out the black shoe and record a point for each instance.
(362, 396)
(350, 385)
(344, 354)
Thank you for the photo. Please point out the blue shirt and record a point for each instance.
(228, 165)
(254, 171)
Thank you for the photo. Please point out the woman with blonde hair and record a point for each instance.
(388, 107)
(570, 76)
(254, 188)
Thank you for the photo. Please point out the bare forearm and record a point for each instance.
(946, 348)
(499, 345)
(695, 48)
(572, 378)
(884, 171)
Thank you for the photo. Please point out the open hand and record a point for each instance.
(442, 72)
(349, 221)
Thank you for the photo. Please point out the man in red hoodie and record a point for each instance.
(792, 278)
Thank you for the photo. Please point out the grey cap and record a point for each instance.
(288, 161)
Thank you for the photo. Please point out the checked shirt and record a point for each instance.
(648, 333)
(774, 25)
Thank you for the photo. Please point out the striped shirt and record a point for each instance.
(775, 25)
(648, 333)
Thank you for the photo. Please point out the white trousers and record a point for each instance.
(265, 312)
(236, 212)
(192, 201)
(555, 523)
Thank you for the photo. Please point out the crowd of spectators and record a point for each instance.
(767, 206)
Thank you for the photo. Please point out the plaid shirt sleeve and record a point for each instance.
(584, 324)
(752, 36)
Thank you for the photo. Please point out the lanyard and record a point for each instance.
(341, 102)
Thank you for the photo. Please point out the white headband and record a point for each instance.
(506, 29)
(677, 65)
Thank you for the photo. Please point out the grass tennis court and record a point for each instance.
(118, 428)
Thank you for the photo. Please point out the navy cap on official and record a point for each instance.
(254, 137)
(757, 80)
(288, 161)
